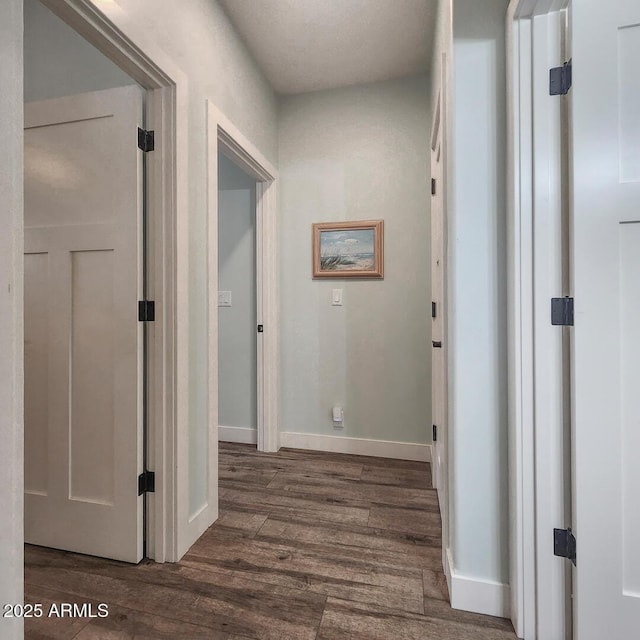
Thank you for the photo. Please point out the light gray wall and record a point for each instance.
(199, 38)
(11, 341)
(237, 336)
(58, 62)
(352, 154)
(477, 220)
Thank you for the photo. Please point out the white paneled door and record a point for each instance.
(83, 341)
(606, 368)
(439, 348)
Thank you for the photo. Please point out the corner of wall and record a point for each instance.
(476, 594)
(478, 421)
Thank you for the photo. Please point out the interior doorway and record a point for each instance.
(226, 141)
(170, 530)
(237, 304)
(84, 275)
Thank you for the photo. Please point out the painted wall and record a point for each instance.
(237, 338)
(199, 39)
(58, 62)
(354, 154)
(478, 320)
(11, 336)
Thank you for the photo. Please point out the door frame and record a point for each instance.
(537, 474)
(224, 136)
(170, 531)
(11, 316)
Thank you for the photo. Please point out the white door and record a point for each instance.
(437, 295)
(83, 341)
(606, 367)
(438, 350)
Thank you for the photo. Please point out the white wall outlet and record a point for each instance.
(336, 297)
(224, 298)
(338, 416)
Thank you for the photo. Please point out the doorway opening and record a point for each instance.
(239, 155)
(237, 304)
(84, 275)
(95, 307)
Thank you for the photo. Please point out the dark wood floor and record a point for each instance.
(308, 546)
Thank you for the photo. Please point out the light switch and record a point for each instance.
(224, 298)
(336, 297)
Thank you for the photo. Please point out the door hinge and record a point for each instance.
(146, 482)
(564, 544)
(433, 310)
(146, 310)
(260, 328)
(433, 186)
(560, 79)
(146, 140)
(562, 312)
(434, 435)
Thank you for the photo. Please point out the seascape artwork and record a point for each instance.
(347, 250)
(353, 249)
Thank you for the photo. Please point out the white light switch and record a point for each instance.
(336, 297)
(224, 298)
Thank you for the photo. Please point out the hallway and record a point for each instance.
(308, 545)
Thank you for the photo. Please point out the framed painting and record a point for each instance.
(348, 249)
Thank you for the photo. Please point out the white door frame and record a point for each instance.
(11, 316)
(169, 531)
(537, 474)
(223, 135)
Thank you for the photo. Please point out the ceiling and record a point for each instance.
(308, 45)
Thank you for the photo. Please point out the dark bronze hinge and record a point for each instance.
(146, 482)
(146, 140)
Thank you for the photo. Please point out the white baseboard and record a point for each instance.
(476, 595)
(357, 446)
(243, 435)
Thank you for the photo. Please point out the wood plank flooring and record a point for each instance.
(308, 546)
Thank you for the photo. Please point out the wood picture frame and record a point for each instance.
(348, 249)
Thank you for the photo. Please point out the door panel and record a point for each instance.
(629, 101)
(606, 246)
(439, 351)
(630, 404)
(36, 267)
(91, 463)
(83, 341)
